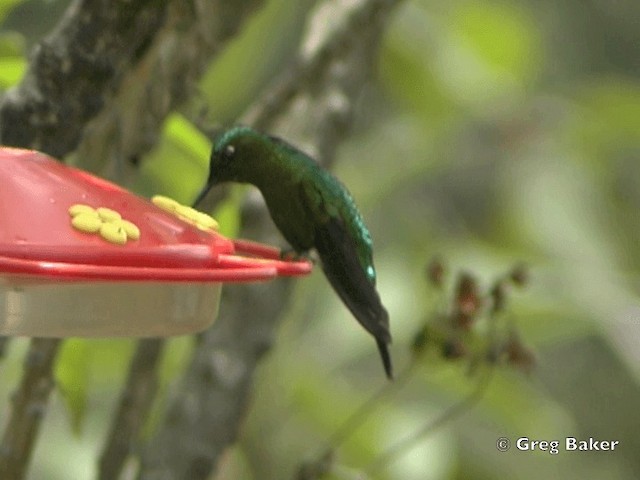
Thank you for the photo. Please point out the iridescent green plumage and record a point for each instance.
(312, 209)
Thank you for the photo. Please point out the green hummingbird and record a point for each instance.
(312, 210)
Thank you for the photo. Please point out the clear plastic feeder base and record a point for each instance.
(106, 309)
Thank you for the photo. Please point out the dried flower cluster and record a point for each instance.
(472, 322)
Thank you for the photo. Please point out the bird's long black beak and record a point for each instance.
(203, 193)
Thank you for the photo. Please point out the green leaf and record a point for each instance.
(188, 138)
(183, 149)
(72, 377)
(176, 356)
(11, 70)
(501, 35)
(12, 61)
(12, 44)
(6, 6)
(406, 70)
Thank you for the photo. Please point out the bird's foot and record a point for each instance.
(291, 255)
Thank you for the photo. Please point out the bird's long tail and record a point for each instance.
(383, 348)
(347, 277)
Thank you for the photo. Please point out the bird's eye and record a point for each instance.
(229, 152)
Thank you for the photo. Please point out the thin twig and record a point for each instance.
(135, 401)
(323, 462)
(356, 420)
(386, 458)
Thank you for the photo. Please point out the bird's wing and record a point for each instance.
(341, 265)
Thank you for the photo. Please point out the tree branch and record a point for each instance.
(317, 54)
(85, 67)
(29, 404)
(82, 74)
(153, 89)
(129, 126)
(204, 419)
(74, 70)
(70, 75)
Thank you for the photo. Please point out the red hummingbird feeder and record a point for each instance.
(80, 256)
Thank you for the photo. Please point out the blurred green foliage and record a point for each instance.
(494, 131)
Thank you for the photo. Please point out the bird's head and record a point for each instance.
(233, 151)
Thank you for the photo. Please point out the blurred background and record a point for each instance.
(495, 132)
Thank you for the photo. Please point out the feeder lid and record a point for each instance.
(61, 223)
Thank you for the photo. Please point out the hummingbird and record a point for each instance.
(312, 209)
